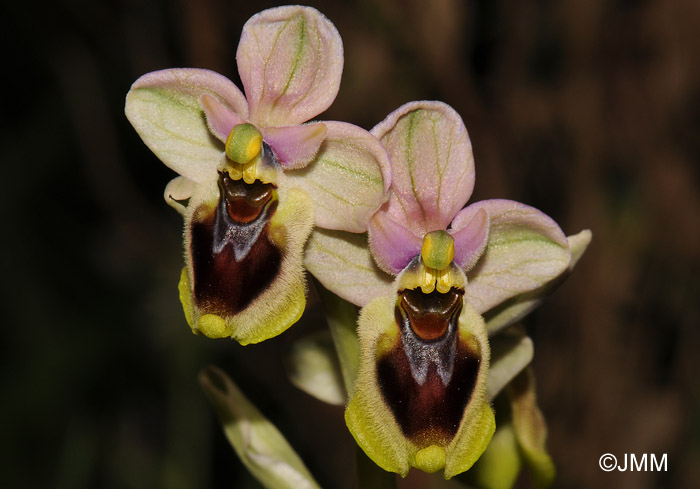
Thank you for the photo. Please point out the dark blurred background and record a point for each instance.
(588, 110)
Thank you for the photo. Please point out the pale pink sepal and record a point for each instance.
(290, 60)
(197, 82)
(342, 263)
(348, 179)
(392, 245)
(295, 146)
(165, 109)
(220, 118)
(470, 230)
(525, 250)
(432, 164)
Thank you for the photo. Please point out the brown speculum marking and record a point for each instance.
(245, 202)
(232, 258)
(429, 315)
(429, 377)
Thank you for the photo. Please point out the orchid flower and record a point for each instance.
(432, 269)
(254, 179)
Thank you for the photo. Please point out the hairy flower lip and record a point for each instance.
(395, 418)
(222, 251)
(429, 409)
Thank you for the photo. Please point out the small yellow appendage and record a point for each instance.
(430, 459)
(212, 326)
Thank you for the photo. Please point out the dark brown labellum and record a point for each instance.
(428, 378)
(232, 258)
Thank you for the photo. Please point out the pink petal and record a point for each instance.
(165, 109)
(295, 146)
(470, 230)
(392, 245)
(220, 118)
(290, 60)
(431, 163)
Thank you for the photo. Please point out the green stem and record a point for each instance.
(342, 321)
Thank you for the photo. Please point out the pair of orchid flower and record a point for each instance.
(377, 217)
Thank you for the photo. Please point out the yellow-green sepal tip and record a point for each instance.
(284, 317)
(243, 143)
(438, 249)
